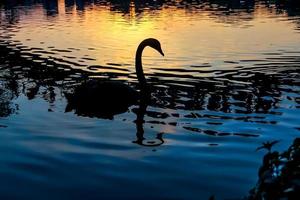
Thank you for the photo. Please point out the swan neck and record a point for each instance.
(139, 66)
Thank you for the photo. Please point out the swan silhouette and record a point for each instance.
(104, 99)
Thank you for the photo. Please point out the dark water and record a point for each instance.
(229, 81)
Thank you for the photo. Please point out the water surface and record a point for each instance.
(229, 81)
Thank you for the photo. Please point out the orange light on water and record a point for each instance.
(188, 37)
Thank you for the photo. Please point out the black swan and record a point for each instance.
(104, 99)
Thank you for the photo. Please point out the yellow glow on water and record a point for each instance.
(188, 37)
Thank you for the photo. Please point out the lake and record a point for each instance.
(228, 82)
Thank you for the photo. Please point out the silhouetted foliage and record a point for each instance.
(279, 175)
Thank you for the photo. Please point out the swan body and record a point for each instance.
(104, 99)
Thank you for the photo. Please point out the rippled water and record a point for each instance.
(229, 81)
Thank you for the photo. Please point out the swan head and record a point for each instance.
(155, 44)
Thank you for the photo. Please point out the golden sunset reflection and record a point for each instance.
(188, 37)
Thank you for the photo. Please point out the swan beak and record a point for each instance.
(161, 52)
